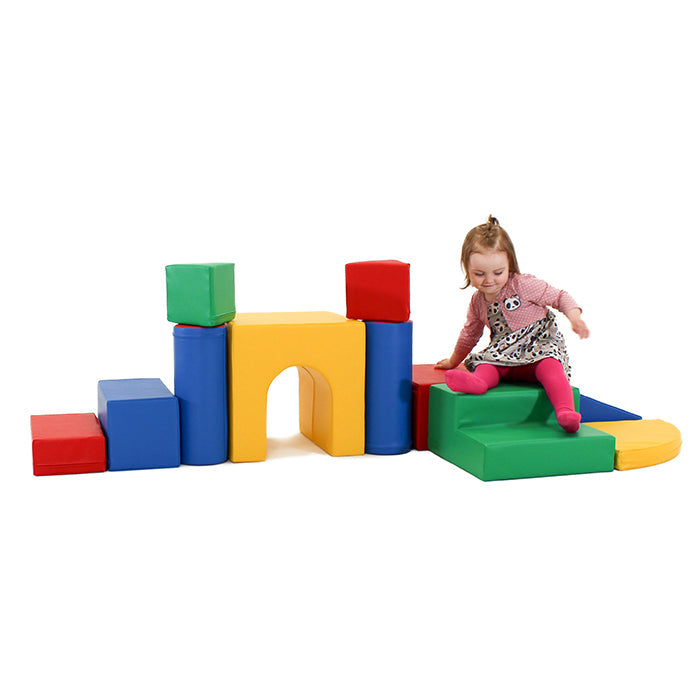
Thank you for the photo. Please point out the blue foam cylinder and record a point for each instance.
(388, 386)
(140, 419)
(200, 385)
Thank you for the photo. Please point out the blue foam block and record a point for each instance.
(388, 386)
(140, 419)
(593, 411)
(200, 386)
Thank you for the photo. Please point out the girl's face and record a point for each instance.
(488, 272)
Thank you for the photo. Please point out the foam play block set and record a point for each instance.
(201, 388)
(201, 295)
(378, 290)
(141, 421)
(71, 443)
(388, 388)
(642, 443)
(423, 377)
(510, 433)
(358, 392)
(329, 351)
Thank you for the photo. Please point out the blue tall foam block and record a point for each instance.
(388, 385)
(200, 386)
(141, 421)
(593, 411)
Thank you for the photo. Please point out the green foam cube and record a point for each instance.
(201, 295)
(511, 432)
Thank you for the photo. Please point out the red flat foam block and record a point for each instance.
(424, 376)
(69, 443)
(378, 290)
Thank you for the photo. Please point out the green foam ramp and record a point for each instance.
(511, 432)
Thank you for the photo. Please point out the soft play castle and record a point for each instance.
(359, 392)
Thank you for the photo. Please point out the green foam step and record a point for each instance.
(511, 432)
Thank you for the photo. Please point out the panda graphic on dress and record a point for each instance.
(525, 340)
(512, 303)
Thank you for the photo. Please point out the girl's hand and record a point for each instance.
(445, 364)
(577, 323)
(580, 328)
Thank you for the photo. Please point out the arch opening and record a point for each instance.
(285, 437)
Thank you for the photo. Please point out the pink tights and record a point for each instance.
(548, 372)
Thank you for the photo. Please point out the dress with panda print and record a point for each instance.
(522, 347)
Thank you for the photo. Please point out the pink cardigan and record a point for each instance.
(524, 299)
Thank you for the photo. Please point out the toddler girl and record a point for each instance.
(526, 344)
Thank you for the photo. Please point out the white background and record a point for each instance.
(291, 138)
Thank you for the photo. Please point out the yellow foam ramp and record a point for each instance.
(329, 353)
(642, 443)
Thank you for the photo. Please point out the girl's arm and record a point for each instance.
(545, 295)
(468, 338)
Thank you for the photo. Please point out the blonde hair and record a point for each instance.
(488, 237)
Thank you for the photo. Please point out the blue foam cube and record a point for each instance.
(141, 421)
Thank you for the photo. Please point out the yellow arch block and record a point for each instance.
(642, 443)
(329, 353)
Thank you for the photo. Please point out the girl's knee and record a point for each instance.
(549, 362)
(549, 367)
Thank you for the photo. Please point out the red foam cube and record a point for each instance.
(69, 443)
(424, 376)
(378, 290)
